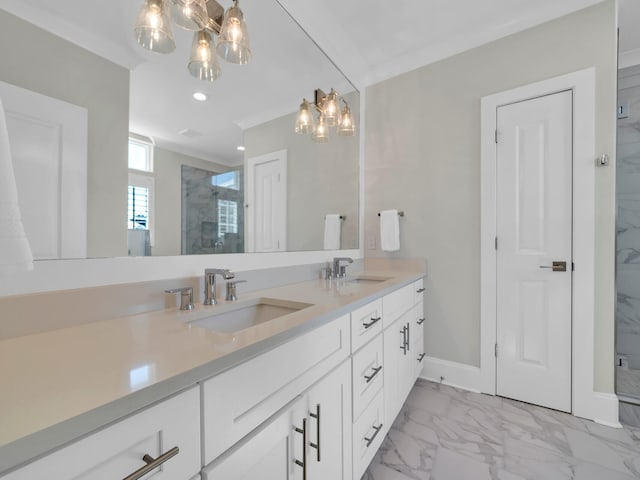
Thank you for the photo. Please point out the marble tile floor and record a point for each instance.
(443, 433)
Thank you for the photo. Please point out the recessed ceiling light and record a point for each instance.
(199, 96)
(240, 148)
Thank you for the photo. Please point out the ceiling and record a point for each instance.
(369, 40)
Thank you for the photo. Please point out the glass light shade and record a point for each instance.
(190, 14)
(321, 132)
(203, 61)
(304, 119)
(153, 27)
(233, 40)
(330, 108)
(346, 128)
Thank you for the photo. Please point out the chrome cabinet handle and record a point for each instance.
(372, 322)
(373, 437)
(408, 336)
(376, 370)
(404, 339)
(421, 357)
(420, 290)
(420, 321)
(317, 444)
(303, 463)
(152, 463)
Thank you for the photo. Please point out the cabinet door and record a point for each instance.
(273, 452)
(393, 338)
(329, 426)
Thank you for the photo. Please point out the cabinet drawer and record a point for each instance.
(367, 375)
(366, 323)
(368, 433)
(417, 339)
(396, 303)
(418, 289)
(240, 399)
(117, 451)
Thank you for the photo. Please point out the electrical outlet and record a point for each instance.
(371, 242)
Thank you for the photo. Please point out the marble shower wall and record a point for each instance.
(628, 224)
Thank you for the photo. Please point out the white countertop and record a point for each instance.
(59, 385)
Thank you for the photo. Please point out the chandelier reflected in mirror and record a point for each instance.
(327, 106)
(205, 18)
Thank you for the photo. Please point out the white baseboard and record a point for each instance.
(605, 409)
(453, 374)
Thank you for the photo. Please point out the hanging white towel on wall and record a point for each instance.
(389, 231)
(332, 231)
(15, 252)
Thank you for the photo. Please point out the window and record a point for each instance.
(138, 208)
(140, 154)
(140, 194)
(229, 180)
(227, 217)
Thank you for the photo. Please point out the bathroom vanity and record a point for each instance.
(307, 391)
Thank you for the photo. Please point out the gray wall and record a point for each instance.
(321, 178)
(423, 156)
(39, 61)
(168, 181)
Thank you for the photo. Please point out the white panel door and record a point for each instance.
(534, 218)
(48, 140)
(267, 206)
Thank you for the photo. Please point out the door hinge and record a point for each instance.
(496, 243)
(496, 132)
(496, 350)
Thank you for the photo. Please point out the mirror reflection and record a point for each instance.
(174, 164)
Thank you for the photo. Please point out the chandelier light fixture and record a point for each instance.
(327, 105)
(205, 18)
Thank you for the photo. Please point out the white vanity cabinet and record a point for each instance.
(309, 438)
(117, 451)
(403, 346)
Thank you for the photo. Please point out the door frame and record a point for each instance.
(250, 233)
(582, 84)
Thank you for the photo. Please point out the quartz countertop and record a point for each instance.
(59, 385)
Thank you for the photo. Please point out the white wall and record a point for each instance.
(39, 61)
(423, 156)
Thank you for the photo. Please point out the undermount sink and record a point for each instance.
(242, 315)
(367, 279)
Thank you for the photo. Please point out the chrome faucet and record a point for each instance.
(340, 271)
(210, 283)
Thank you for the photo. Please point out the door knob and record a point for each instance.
(556, 266)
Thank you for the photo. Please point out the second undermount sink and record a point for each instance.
(232, 318)
(366, 279)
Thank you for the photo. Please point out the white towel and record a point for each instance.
(15, 252)
(332, 230)
(389, 231)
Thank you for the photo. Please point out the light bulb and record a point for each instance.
(203, 62)
(153, 28)
(346, 128)
(233, 40)
(304, 119)
(330, 108)
(321, 132)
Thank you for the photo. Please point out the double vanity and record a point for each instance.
(301, 381)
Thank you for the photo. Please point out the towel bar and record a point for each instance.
(400, 214)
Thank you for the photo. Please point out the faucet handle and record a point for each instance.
(186, 297)
(231, 290)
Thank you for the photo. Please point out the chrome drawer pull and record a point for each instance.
(420, 321)
(317, 444)
(420, 290)
(408, 333)
(376, 370)
(303, 463)
(373, 437)
(372, 322)
(404, 339)
(421, 357)
(152, 463)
